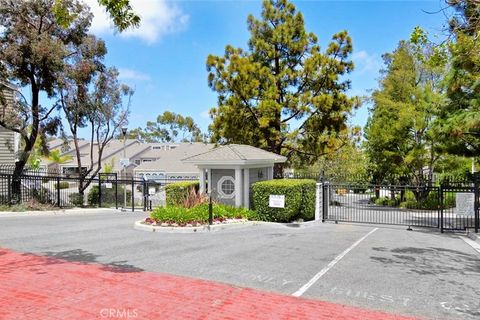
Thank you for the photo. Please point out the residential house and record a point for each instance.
(145, 159)
(168, 164)
(9, 140)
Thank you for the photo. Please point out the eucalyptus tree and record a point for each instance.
(33, 50)
(91, 97)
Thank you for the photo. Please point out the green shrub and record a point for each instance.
(430, 203)
(386, 201)
(177, 192)
(62, 185)
(299, 199)
(42, 195)
(199, 213)
(76, 199)
(108, 196)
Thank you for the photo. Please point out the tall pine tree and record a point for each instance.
(282, 94)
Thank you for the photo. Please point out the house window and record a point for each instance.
(147, 160)
(137, 161)
(157, 147)
(226, 187)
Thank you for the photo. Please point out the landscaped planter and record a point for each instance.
(173, 224)
(231, 223)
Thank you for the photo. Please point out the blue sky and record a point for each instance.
(164, 60)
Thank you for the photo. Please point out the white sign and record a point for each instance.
(276, 201)
(124, 162)
(465, 204)
(108, 185)
(151, 191)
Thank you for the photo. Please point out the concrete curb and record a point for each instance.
(62, 212)
(138, 225)
(303, 224)
(473, 236)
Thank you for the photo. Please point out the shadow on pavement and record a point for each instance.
(429, 261)
(83, 256)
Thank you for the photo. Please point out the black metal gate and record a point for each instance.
(452, 205)
(108, 190)
(461, 204)
(382, 204)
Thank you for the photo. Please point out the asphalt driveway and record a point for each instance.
(419, 273)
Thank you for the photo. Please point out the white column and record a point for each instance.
(246, 188)
(270, 173)
(238, 187)
(318, 202)
(202, 180)
(209, 178)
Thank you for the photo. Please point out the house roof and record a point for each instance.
(171, 160)
(131, 152)
(235, 154)
(113, 149)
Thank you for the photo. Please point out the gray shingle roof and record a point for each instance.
(171, 160)
(235, 153)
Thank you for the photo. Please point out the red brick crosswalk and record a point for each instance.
(39, 287)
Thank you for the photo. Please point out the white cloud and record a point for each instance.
(158, 18)
(365, 62)
(129, 74)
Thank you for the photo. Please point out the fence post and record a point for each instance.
(133, 195)
(9, 191)
(441, 207)
(116, 191)
(58, 191)
(325, 200)
(99, 191)
(145, 195)
(476, 205)
(318, 201)
(210, 210)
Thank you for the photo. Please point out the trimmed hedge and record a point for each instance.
(299, 199)
(177, 192)
(62, 185)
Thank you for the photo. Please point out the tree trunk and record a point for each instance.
(278, 170)
(29, 143)
(17, 182)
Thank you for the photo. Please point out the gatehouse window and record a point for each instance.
(226, 187)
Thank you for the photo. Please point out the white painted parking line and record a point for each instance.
(322, 272)
(471, 243)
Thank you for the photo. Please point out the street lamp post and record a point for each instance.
(124, 133)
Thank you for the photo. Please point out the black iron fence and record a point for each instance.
(434, 179)
(395, 205)
(447, 207)
(461, 204)
(447, 203)
(51, 189)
